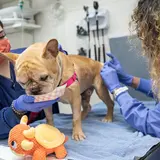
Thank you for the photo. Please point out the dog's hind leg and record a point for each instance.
(86, 95)
(103, 94)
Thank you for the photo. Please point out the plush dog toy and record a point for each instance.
(37, 142)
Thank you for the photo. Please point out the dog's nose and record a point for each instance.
(35, 91)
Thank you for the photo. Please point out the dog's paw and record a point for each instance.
(107, 120)
(78, 136)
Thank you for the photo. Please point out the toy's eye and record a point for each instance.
(14, 144)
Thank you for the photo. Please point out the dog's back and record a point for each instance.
(86, 70)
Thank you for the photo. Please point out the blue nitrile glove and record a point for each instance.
(61, 49)
(26, 103)
(123, 77)
(110, 78)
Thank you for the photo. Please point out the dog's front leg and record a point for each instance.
(49, 116)
(76, 110)
(77, 126)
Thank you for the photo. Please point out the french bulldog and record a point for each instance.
(42, 67)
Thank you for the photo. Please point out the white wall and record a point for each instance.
(17, 42)
(65, 32)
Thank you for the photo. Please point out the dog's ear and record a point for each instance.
(51, 50)
(12, 57)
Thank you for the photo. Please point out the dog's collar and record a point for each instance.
(71, 80)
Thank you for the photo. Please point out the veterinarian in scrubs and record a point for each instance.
(13, 101)
(146, 18)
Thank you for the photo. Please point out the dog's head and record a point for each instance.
(37, 68)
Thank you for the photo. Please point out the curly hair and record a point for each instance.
(146, 20)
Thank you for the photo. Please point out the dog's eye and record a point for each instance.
(44, 78)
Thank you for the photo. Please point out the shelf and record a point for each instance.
(9, 12)
(11, 21)
(18, 27)
(14, 21)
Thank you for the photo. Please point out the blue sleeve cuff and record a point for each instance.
(123, 98)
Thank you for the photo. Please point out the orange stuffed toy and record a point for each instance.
(37, 142)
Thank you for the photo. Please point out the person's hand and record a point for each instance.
(110, 78)
(26, 103)
(123, 77)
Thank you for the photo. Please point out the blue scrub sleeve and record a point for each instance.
(139, 116)
(7, 121)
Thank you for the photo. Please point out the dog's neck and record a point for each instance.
(60, 69)
(66, 68)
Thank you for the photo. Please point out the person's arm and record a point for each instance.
(9, 116)
(140, 84)
(8, 119)
(135, 113)
(143, 85)
(139, 116)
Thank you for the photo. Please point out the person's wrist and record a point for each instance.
(123, 98)
(135, 82)
(130, 80)
(19, 113)
(119, 91)
(115, 88)
(126, 79)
